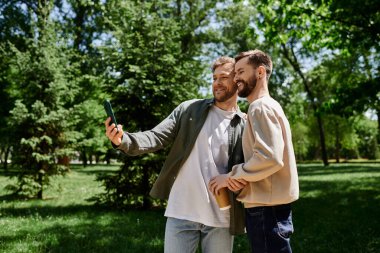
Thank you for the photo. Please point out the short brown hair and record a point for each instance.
(257, 58)
(221, 61)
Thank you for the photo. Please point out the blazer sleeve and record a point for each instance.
(152, 140)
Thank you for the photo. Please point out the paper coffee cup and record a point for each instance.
(223, 199)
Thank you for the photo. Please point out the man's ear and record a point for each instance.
(261, 71)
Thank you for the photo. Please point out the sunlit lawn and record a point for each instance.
(339, 209)
(68, 222)
(338, 212)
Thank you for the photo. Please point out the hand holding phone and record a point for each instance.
(115, 136)
(109, 111)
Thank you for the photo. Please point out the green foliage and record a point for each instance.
(328, 54)
(39, 119)
(233, 33)
(152, 69)
(126, 188)
(351, 84)
(52, 86)
(367, 131)
(60, 59)
(342, 139)
(5, 105)
(301, 140)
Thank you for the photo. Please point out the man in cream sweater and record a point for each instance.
(270, 166)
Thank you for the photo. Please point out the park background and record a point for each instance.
(64, 189)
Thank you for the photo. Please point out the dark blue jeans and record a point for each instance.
(269, 228)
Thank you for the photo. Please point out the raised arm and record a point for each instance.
(148, 141)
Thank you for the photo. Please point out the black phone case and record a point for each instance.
(109, 111)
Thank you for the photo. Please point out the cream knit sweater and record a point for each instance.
(270, 166)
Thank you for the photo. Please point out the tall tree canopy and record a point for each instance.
(152, 49)
(59, 59)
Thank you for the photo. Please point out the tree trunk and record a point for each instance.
(337, 145)
(84, 158)
(145, 187)
(378, 126)
(64, 160)
(292, 59)
(6, 156)
(322, 140)
(40, 181)
(1, 155)
(108, 157)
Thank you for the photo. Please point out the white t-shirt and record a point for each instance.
(190, 198)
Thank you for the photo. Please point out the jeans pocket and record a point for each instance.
(255, 211)
(254, 218)
(285, 229)
(284, 223)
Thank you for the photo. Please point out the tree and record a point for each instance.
(282, 27)
(81, 26)
(352, 27)
(39, 117)
(309, 31)
(5, 106)
(14, 29)
(335, 79)
(91, 140)
(368, 131)
(152, 51)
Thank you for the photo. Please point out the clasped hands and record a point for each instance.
(224, 180)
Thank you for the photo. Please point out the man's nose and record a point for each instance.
(218, 81)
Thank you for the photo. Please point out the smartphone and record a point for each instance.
(109, 111)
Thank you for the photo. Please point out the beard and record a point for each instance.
(248, 86)
(225, 96)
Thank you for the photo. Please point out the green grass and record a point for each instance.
(67, 222)
(337, 212)
(339, 209)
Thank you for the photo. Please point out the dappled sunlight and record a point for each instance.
(338, 206)
(86, 228)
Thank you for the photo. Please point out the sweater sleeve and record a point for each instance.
(152, 140)
(267, 148)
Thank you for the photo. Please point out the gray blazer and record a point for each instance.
(181, 129)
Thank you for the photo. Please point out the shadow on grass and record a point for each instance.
(90, 169)
(89, 229)
(315, 170)
(330, 216)
(10, 197)
(98, 230)
(96, 169)
(52, 211)
(92, 172)
(338, 216)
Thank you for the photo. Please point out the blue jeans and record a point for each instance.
(183, 236)
(269, 228)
